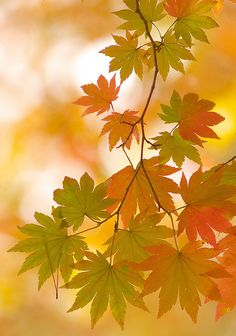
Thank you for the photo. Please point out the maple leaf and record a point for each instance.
(119, 126)
(208, 206)
(170, 53)
(175, 147)
(192, 18)
(227, 286)
(50, 247)
(80, 200)
(143, 231)
(126, 56)
(151, 10)
(194, 117)
(103, 283)
(99, 97)
(140, 195)
(182, 274)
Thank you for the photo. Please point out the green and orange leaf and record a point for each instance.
(208, 206)
(182, 274)
(140, 195)
(192, 18)
(194, 117)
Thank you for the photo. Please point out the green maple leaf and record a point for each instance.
(170, 53)
(50, 247)
(143, 232)
(80, 200)
(151, 10)
(192, 26)
(175, 147)
(103, 283)
(192, 18)
(126, 56)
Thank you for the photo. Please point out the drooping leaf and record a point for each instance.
(50, 247)
(192, 17)
(208, 206)
(143, 231)
(140, 195)
(126, 56)
(78, 200)
(119, 126)
(152, 11)
(183, 274)
(99, 97)
(170, 54)
(194, 117)
(103, 284)
(175, 147)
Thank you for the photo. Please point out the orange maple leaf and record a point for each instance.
(227, 286)
(99, 97)
(120, 127)
(140, 195)
(208, 206)
(182, 8)
(182, 274)
(194, 117)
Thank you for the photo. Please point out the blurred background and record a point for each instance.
(48, 49)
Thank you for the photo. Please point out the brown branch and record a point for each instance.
(224, 164)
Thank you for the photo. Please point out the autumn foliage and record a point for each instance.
(144, 256)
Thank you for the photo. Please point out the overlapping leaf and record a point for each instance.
(140, 195)
(120, 127)
(194, 117)
(192, 17)
(184, 274)
(79, 200)
(99, 97)
(143, 231)
(50, 247)
(152, 11)
(103, 284)
(208, 206)
(126, 56)
(170, 54)
(175, 147)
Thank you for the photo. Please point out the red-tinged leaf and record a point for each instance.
(194, 117)
(120, 127)
(183, 274)
(183, 8)
(99, 97)
(140, 195)
(227, 286)
(208, 206)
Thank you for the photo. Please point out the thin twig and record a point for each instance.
(127, 156)
(224, 164)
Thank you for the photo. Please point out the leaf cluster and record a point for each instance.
(186, 252)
